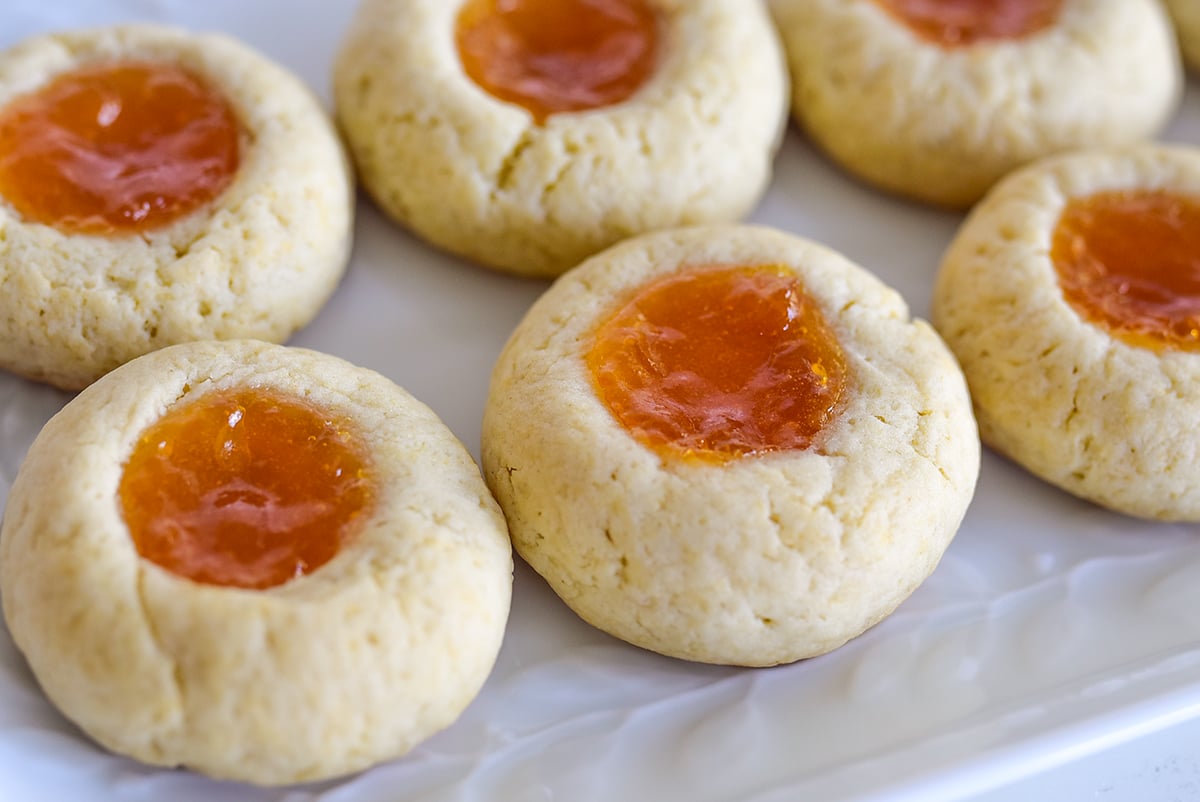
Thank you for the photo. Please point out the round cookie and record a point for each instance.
(324, 674)
(483, 178)
(1186, 15)
(257, 261)
(941, 122)
(1105, 413)
(754, 559)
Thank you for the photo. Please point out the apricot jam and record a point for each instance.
(117, 148)
(720, 362)
(245, 488)
(958, 23)
(1130, 263)
(551, 56)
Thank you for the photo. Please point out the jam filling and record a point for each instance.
(1129, 262)
(720, 362)
(245, 488)
(958, 23)
(116, 149)
(552, 56)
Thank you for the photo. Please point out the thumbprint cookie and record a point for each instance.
(529, 134)
(728, 444)
(158, 187)
(1071, 296)
(939, 100)
(261, 563)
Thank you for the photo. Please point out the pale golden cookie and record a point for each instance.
(1056, 390)
(258, 261)
(481, 178)
(942, 124)
(1186, 15)
(762, 559)
(351, 664)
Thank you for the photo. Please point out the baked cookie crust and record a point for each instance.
(477, 177)
(943, 125)
(757, 561)
(259, 261)
(326, 674)
(1099, 418)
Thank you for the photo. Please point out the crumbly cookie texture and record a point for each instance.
(762, 560)
(258, 262)
(1102, 419)
(326, 674)
(942, 126)
(1186, 15)
(477, 177)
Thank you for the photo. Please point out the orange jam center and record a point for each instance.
(245, 488)
(1130, 262)
(718, 363)
(558, 55)
(954, 23)
(117, 148)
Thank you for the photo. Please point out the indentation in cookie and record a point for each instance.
(117, 148)
(959, 23)
(1129, 261)
(245, 488)
(552, 56)
(720, 362)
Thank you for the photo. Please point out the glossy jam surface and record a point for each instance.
(1130, 262)
(957, 23)
(552, 56)
(245, 488)
(718, 363)
(117, 148)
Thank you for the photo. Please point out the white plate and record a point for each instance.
(1052, 628)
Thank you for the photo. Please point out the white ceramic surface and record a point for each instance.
(1051, 629)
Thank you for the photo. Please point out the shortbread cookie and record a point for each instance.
(564, 153)
(728, 444)
(938, 101)
(258, 562)
(159, 187)
(1071, 298)
(1186, 15)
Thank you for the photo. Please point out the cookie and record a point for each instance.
(938, 101)
(158, 187)
(728, 444)
(600, 120)
(258, 562)
(1186, 15)
(1070, 297)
